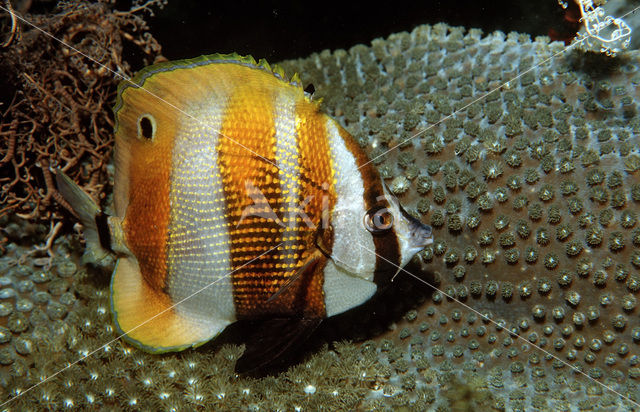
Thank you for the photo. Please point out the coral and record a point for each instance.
(534, 183)
(533, 195)
(57, 109)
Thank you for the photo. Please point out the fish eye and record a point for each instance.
(146, 127)
(378, 220)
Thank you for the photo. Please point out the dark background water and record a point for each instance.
(289, 29)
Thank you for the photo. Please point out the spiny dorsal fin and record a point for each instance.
(247, 60)
(279, 71)
(265, 65)
(295, 80)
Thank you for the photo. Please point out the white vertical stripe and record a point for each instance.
(199, 243)
(287, 159)
(343, 291)
(349, 278)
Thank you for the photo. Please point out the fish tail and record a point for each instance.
(96, 231)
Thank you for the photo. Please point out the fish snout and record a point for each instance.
(419, 234)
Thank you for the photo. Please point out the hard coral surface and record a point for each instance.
(524, 158)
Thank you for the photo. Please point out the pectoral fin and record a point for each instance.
(308, 267)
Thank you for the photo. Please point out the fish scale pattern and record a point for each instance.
(533, 193)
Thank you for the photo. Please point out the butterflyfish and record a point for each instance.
(236, 197)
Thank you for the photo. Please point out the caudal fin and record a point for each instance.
(89, 213)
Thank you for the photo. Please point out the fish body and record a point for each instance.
(237, 198)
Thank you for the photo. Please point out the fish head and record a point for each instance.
(381, 234)
(412, 235)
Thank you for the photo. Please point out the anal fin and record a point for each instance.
(149, 319)
(272, 339)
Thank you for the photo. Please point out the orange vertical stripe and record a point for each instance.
(250, 159)
(147, 214)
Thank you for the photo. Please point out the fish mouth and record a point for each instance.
(419, 234)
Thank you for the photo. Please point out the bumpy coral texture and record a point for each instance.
(533, 193)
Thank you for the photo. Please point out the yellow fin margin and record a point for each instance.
(148, 318)
(142, 75)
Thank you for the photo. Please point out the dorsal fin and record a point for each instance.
(138, 79)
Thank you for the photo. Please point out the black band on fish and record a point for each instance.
(103, 231)
(387, 257)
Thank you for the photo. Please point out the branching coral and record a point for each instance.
(58, 107)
